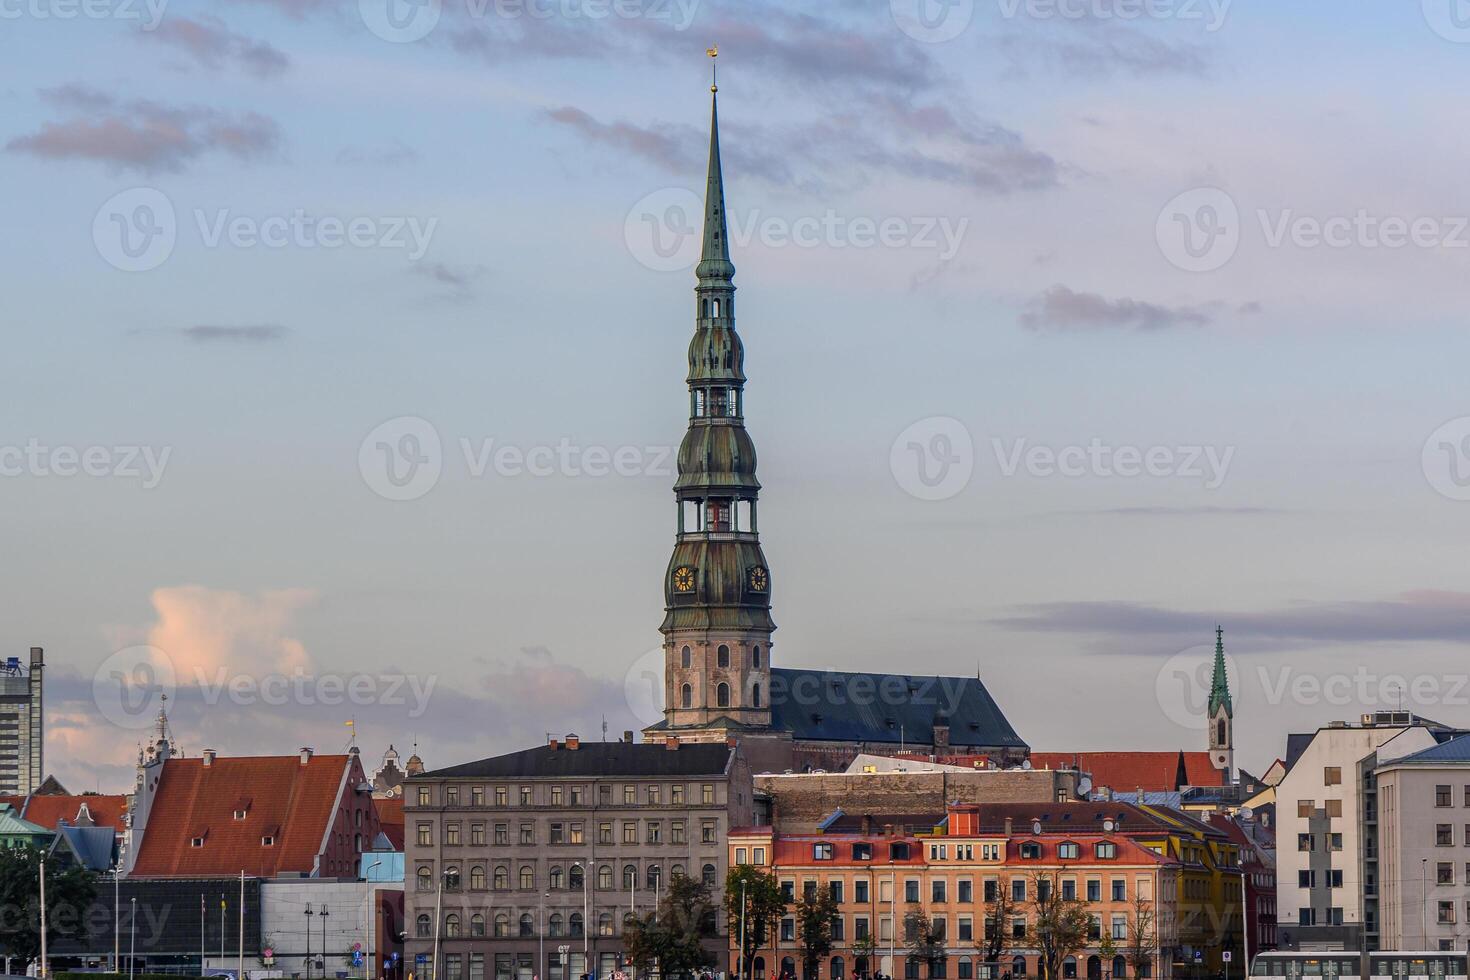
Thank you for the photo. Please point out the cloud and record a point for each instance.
(670, 147)
(213, 45)
(203, 630)
(262, 333)
(144, 135)
(457, 277)
(1060, 308)
(1410, 617)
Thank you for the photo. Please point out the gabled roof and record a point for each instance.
(49, 810)
(843, 706)
(12, 824)
(596, 759)
(298, 799)
(1127, 772)
(91, 847)
(1455, 751)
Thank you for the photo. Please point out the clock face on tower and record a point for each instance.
(759, 579)
(683, 579)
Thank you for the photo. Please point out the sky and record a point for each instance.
(345, 345)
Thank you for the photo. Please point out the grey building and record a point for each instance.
(22, 728)
(526, 865)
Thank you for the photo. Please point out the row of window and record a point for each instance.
(1016, 928)
(1021, 889)
(568, 833)
(558, 879)
(1445, 795)
(722, 695)
(651, 793)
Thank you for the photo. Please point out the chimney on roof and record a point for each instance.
(867, 824)
(573, 742)
(628, 736)
(553, 744)
(305, 754)
(941, 736)
(888, 830)
(208, 757)
(671, 742)
(731, 742)
(1010, 826)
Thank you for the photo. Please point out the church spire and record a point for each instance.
(1220, 684)
(714, 257)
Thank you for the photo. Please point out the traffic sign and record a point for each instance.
(1225, 956)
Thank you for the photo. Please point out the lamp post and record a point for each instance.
(132, 935)
(741, 961)
(309, 914)
(324, 939)
(586, 867)
(541, 937)
(116, 921)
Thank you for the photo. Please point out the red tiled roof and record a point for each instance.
(390, 818)
(1123, 772)
(194, 799)
(49, 811)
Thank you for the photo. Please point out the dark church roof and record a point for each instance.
(597, 759)
(841, 706)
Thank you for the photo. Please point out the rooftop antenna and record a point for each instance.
(604, 728)
(714, 79)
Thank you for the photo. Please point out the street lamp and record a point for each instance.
(309, 914)
(373, 936)
(586, 867)
(132, 935)
(324, 939)
(116, 920)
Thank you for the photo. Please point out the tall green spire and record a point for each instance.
(1220, 684)
(714, 258)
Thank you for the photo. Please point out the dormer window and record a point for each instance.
(196, 841)
(267, 841)
(240, 814)
(1068, 851)
(1106, 850)
(1030, 850)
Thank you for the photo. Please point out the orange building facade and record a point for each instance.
(957, 876)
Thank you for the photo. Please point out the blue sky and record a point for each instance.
(1061, 150)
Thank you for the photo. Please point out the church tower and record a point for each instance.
(1221, 712)
(717, 589)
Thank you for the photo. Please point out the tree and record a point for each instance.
(996, 936)
(1143, 936)
(1059, 925)
(675, 936)
(69, 894)
(923, 938)
(764, 906)
(814, 915)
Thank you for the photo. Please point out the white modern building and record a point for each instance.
(1329, 853)
(1424, 833)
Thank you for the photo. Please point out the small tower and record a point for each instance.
(1221, 712)
(717, 589)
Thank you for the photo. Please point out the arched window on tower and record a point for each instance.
(1220, 732)
(755, 656)
(686, 659)
(686, 696)
(755, 696)
(722, 656)
(717, 307)
(722, 696)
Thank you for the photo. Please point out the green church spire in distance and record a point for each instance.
(1220, 684)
